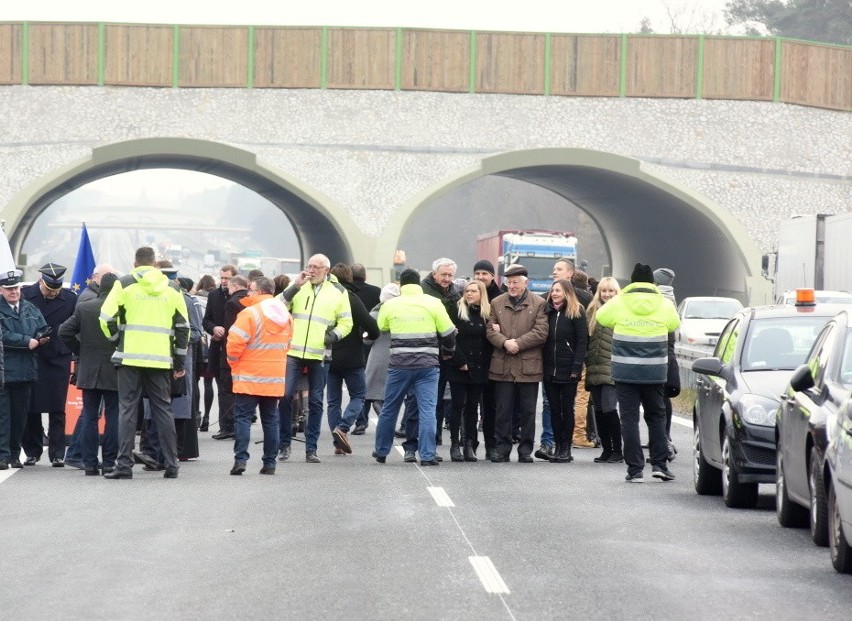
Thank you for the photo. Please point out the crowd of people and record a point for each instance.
(152, 350)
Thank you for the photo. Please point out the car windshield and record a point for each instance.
(711, 309)
(780, 343)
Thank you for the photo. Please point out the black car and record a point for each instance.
(737, 396)
(808, 411)
(838, 481)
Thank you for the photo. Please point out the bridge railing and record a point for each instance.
(578, 65)
(685, 355)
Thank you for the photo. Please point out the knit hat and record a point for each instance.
(663, 276)
(389, 291)
(483, 265)
(642, 273)
(409, 277)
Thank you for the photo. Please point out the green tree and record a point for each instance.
(829, 21)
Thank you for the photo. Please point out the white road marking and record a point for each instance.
(399, 449)
(680, 420)
(5, 474)
(440, 496)
(488, 574)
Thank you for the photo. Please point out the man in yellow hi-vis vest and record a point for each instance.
(148, 320)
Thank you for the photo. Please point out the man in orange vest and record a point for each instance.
(257, 347)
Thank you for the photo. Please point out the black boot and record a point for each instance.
(455, 452)
(562, 455)
(469, 451)
(489, 454)
(205, 423)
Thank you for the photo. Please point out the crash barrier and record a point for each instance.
(685, 355)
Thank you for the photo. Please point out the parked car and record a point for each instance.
(839, 485)
(738, 393)
(702, 319)
(807, 413)
(821, 296)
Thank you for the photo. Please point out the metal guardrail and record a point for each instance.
(685, 354)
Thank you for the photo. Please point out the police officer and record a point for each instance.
(54, 367)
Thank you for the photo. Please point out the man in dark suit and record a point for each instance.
(54, 367)
(214, 322)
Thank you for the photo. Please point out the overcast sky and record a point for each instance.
(527, 15)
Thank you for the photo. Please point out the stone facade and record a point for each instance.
(372, 151)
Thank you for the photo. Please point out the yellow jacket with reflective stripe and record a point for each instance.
(420, 328)
(315, 313)
(257, 347)
(148, 319)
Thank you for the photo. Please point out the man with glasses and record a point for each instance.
(213, 322)
(322, 316)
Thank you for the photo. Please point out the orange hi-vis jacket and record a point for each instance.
(257, 347)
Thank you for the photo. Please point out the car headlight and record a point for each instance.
(757, 410)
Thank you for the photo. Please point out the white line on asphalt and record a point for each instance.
(399, 449)
(440, 496)
(680, 420)
(5, 474)
(488, 574)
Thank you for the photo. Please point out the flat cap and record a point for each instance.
(516, 270)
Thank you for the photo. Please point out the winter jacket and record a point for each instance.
(348, 352)
(472, 350)
(565, 348)
(257, 347)
(450, 298)
(526, 322)
(148, 319)
(20, 363)
(421, 330)
(315, 312)
(599, 357)
(641, 319)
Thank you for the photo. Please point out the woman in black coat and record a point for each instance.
(468, 371)
(563, 357)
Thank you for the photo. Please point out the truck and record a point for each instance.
(813, 252)
(536, 250)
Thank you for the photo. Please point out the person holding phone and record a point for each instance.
(20, 323)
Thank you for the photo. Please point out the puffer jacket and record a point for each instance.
(472, 350)
(599, 357)
(565, 347)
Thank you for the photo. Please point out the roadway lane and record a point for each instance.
(350, 538)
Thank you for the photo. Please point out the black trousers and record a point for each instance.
(34, 433)
(14, 403)
(650, 396)
(561, 397)
(226, 400)
(504, 396)
(465, 409)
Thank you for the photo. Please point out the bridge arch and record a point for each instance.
(642, 217)
(320, 224)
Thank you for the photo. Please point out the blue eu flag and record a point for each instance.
(84, 266)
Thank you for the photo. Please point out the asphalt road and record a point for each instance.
(353, 539)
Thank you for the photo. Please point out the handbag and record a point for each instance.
(178, 386)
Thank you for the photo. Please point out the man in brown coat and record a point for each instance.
(517, 330)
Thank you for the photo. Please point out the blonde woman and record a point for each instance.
(468, 371)
(563, 356)
(599, 376)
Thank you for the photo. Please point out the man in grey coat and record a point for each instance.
(96, 377)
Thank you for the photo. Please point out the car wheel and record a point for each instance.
(735, 494)
(790, 515)
(819, 504)
(707, 479)
(841, 553)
